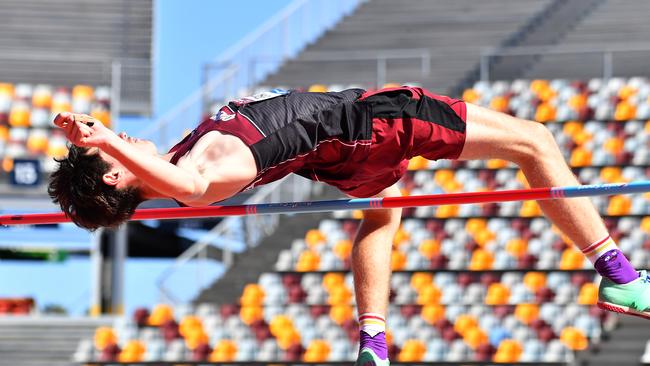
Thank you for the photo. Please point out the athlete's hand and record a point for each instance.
(83, 130)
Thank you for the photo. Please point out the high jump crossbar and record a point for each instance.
(353, 204)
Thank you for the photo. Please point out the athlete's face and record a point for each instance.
(124, 177)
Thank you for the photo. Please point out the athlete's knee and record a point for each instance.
(535, 142)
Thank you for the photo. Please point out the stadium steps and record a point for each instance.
(562, 17)
(614, 23)
(623, 346)
(40, 341)
(408, 24)
(250, 264)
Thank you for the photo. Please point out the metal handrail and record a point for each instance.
(607, 52)
(380, 57)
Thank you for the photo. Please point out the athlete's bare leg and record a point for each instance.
(371, 266)
(530, 145)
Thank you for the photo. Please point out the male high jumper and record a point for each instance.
(357, 141)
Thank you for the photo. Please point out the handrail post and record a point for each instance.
(485, 67)
(381, 71)
(608, 65)
(116, 93)
(426, 64)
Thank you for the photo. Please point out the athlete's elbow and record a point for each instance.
(191, 191)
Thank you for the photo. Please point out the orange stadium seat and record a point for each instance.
(530, 209)
(447, 211)
(499, 103)
(333, 280)
(611, 174)
(474, 337)
(7, 89)
(4, 133)
(288, 337)
(545, 113)
(42, 97)
(412, 351)
(464, 323)
(645, 224)
(19, 115)
(580, 157)
(340, 295)
(574, 339)
(420, 280)
(517, 247)
(397, 260)
(133, 351)
(195, 337)
(160, 314)
(224, 351)
(588, 294)
(534, 281)
(317, 351)
(625, 111)
(314, 238)
(102, 114)
(82, 92)
(509, 350)
(527, 313)
(481, 260)
(429, 247)
(429, 295)
(470, 96)
(571, 259)
(253, 295)
(317, 88)
(37, 142)
(104, 336)
(308, 261)
(497, 294)
(251, 314)
(341, 313)
(619, 205)
(343, 249)
(432, 313)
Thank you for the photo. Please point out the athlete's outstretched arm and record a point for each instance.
(162, 176)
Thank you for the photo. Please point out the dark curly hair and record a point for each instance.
(78, 187)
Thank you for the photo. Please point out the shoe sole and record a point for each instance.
(623, 309)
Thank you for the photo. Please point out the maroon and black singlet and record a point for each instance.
(356, 141)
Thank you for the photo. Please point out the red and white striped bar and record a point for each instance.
(353, 204)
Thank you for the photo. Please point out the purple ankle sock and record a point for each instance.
(616, 267)
(376, 343)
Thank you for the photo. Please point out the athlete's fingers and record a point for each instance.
(85, 119)
(63, 119)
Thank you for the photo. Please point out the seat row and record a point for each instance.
(476, 243)
(525, 332)
(617, 99)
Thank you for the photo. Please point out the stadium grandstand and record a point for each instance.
(472, 284)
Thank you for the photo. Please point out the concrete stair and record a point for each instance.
(43, 341)
(623, 346)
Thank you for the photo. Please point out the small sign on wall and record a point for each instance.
(26, 172)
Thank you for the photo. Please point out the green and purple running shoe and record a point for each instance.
(631, 298)
(367, 357)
